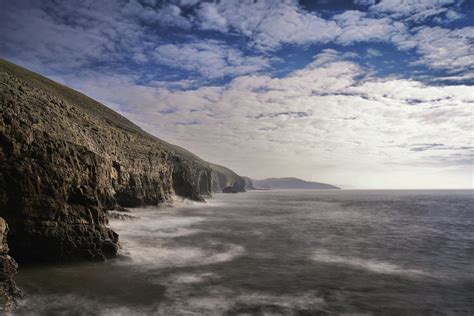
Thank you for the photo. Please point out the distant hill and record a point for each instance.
(290, 183)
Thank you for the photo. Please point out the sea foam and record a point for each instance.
(375, 266)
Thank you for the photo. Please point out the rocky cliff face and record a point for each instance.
(66, 159)
(224, 178)
(9, 292)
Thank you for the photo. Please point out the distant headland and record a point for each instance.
(289, 184)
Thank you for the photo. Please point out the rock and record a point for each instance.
(109, 249)
(65, 160)
(9, 292)
(8, 266)
(121, 209)
(3, 236)
(229, 190)
(223, 177)
(120, 216)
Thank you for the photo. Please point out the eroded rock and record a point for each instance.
(9, 292)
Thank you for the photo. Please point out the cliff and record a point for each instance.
(226, 180)
(65, 160)
(290, 183)
(9, 292)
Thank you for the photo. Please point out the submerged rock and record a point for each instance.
(9, 292)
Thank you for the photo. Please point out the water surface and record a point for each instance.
(300, 252)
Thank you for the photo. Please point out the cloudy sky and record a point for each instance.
(357, 93)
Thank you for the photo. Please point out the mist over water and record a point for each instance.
(277, 253)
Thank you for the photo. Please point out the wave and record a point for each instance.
(150, 257)
(223, 301)
(151, 225)
(191, 278)
(70, 304)
(375, 266)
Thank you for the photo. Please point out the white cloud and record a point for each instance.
(373, 52)
(319, 123)
(441, 48)
(127, 32)
(323, 116)
(270, 23)
(209, 59)
(64, 36)
(168, 15)
(210, 19)
(414, 9)
(357, 27)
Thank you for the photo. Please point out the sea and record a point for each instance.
(294, 252)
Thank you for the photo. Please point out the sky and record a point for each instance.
(356, 93)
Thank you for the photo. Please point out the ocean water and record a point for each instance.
(295, 252)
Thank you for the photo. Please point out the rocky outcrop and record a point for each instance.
(9, 292)
(66, 159)
(121, 216)
(223, 177)
(229, 190)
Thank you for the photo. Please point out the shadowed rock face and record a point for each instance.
(9, 292)
(225, 180)
(65, 159)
